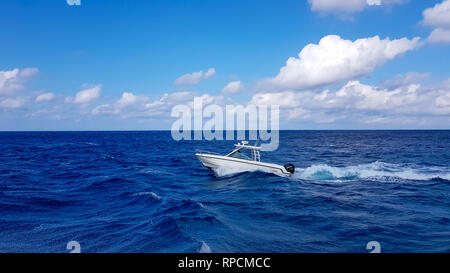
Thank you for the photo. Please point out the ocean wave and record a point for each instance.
(150, 193)
(376, 170)
(186, 206)
(92, 144)
(107, 198)
(106, 183)
(154, 171)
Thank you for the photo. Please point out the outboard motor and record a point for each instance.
(290, 168)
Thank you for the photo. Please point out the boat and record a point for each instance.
(238, 161)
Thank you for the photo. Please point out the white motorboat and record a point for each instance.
(238, 161)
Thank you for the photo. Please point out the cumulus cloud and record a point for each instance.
(347, 6)
(53, 112)
(373, 2)
(12, 81)
(130, 105)
(439, 18)
(404, 79)
(126, 101)
(337, 5)
(195, 77)
(233, 87)
(443, 101)
(86, 95)
(335, 60)
(172, 99)
(287, 99)
(45, 97)
(12, 103)
(164, 105)
(439, 36)
(370, 104)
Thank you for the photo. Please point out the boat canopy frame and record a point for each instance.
(255, 150)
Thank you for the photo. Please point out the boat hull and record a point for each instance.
(219, 163)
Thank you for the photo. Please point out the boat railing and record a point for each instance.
(206, 152)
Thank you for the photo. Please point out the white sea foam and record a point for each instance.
(152, 194)
(372, 170)
(92, 144)
(376, 170)
(153, 171)
(223, 172)
(204, 248)
(220, 172)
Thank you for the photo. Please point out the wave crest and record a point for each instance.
(373, 170)
(150, 193)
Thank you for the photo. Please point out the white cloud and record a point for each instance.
(171, 99)
(86, 95)
(335, 60)
(405, 79)
(12, 81)
(347, 6)
(443, 101)
(439, 18)
(28, 72)
(128, 100)
(233, 87)
(412, 99)
(12, 103)
(45, 97)
(104, 109)
(337, 5)
(439, 36)
(287, 99)
(53, 112)
(195, 77)
(374, 2)
(163, 106)
(410, 102)
(130, 105)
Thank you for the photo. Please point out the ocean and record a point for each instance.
(144, 192)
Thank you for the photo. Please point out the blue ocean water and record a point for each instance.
(144, 192)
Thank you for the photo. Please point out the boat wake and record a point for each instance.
(227, 172)
(224, 172)
(379, 171)
(376, 170)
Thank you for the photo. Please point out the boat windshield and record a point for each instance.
(238, 154)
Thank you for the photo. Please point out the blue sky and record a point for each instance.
(136, 50)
